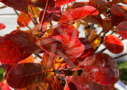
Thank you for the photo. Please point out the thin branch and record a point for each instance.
(42, 20)
(91, 28)
(120, 56)
(38, 56)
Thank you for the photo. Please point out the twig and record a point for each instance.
(120, 56)
(38, 56)
(91, 28)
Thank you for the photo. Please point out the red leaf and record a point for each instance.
(84, 83)
(65, 29)
(79, 13)
(16, 46)
(4, 85)
(2, 26)
(101, 68)
(122, 29)
(117, 14)
(21, 5)
(25, 74)
(63, 46)
(87, 51)
(23, 19)
(113, 44)
(62, 2)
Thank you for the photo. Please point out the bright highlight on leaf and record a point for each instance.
(78, 13)
(62, 2)
(113, 44)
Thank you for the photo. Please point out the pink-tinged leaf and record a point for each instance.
(62, 2)
(113, 44)
(2, 26)
(87, 51)
(117, 14)
(66, 29)
(78, 13)
(84, 83)
(4, 85)
(25, 74)
(16, 46)
(63, 46)
(101, 68)
(122, 29)
(21, 5)
(23, 19)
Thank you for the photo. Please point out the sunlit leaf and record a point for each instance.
(2, 26)
(23, 19)
(62, 2)
(25, 74)
(101, 68)
(76, 14)
(21, 5)
(34, 10)
(92, 35)
(16, 46)
(113, 44)
(63, 46)
(122, 29)
(65, 29)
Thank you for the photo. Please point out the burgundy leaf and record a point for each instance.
(122, 29)
(79, 13)
(2, 26)
(113, 44)
(101, 68)
(84, 83)
(25, 74)
(16, 46)
(21, 5)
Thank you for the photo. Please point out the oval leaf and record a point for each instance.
(25, 74)
(63, 46)
(79, 13)
(23, 19)
(101, 68)
(122, 29)
(113, 44)
(16, 46)
(2, 26)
